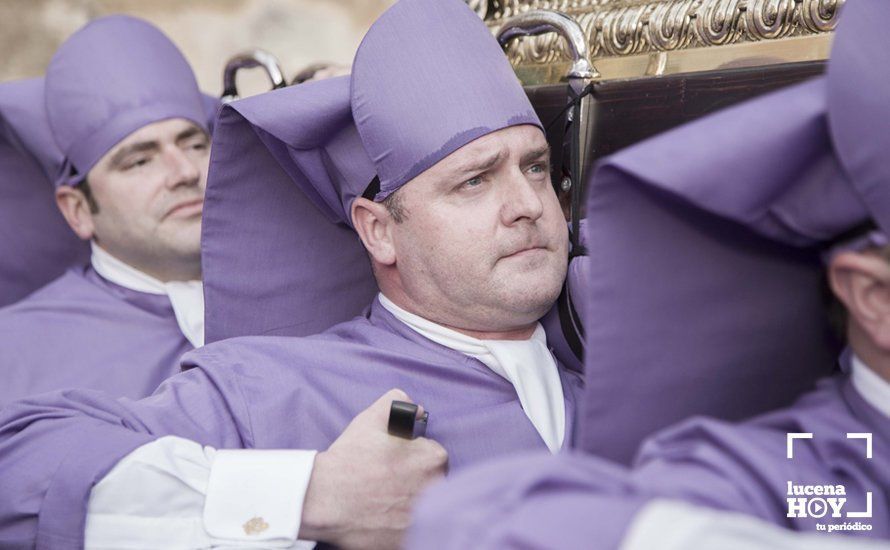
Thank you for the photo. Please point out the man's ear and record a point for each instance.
(861, 281)
(374, 225)
(76, 209)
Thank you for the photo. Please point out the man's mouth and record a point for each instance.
(186, 209)
(525, 251)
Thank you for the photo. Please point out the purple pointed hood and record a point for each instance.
(24, 117)
(38, 245)
(767, 164)
(730, 213)
(110, 78)
(809, 163)
(275, 241)
(278, 251)
(858, 113)
(427, 79)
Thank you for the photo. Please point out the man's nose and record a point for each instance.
(183, 170)
(521, 199)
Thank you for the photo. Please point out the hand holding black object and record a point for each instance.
(362, 488)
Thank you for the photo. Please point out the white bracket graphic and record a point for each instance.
(867, 438)
(791, 436)
(867, 512)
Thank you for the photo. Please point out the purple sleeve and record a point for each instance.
(54, 447)
(739, 468)
(528, 501)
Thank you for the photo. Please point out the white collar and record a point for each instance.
(186, 297)
(123, 274)
(527, 364)
(874, 389)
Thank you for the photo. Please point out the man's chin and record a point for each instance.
(532, 303)
(184, 249)
(544, 279)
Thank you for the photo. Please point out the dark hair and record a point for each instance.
(395, 207)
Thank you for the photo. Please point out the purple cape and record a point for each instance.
(254, 392)
(37, 244)
(81, 331)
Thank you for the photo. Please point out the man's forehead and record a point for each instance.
(163, 129)
(518, 143)
(513, 141)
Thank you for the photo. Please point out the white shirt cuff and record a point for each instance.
(257, 495)
(173, 493)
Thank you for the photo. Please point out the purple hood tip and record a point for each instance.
(427, 79)
(110, 78)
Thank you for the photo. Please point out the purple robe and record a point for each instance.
(36, 244)
(744, 467)
(256, 392)
(82, 331)
(528, 501)
(578, 501)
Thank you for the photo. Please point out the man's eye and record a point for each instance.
(202, 146)
(136, 163)
(539, 168)
(473, 182)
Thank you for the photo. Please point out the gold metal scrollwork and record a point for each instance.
(819, 15)
(717, 21)
(619, 28)
(770, 19)
(623, 34)
(669, 24)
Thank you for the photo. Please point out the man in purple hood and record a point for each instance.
(126, 138)
(819, 466)
(430, 162)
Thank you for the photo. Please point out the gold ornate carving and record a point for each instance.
(618, 28)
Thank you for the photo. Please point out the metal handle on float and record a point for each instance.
(249, 60)
(403, 421)
(535, 22)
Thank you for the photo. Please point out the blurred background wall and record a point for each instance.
(297, 32)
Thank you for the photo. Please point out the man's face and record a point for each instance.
(483, 245)
(150, 190)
